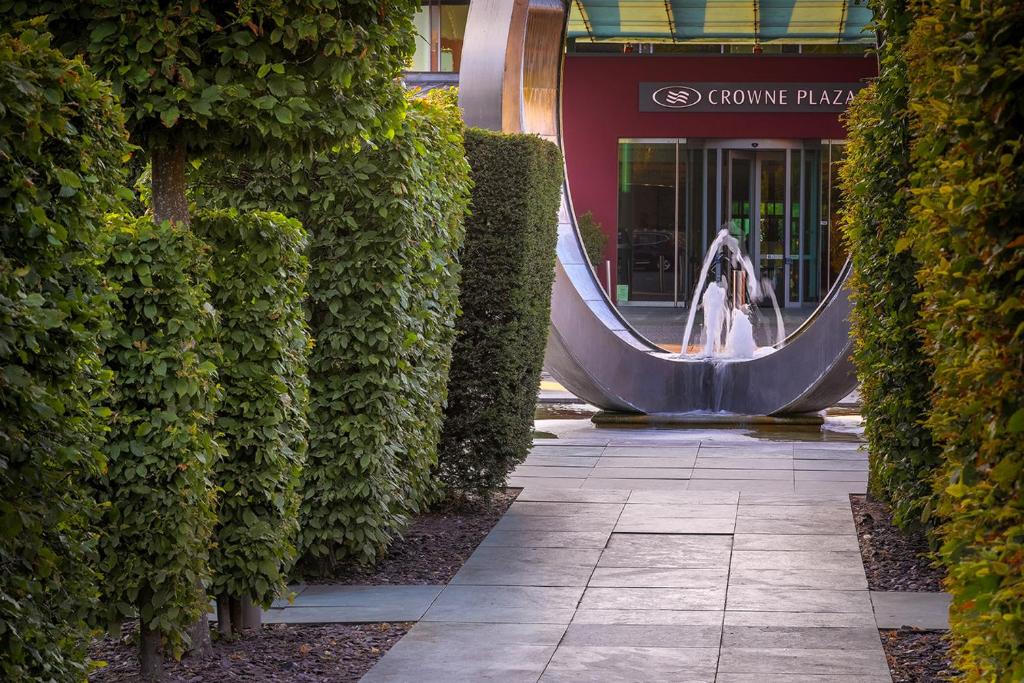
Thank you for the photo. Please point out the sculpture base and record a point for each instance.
(610, 419)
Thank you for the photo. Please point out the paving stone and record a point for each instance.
(526, 472)
(760, 475)
(806, 542)
(839, 510)
(616, 462)
(749, 525)
(640, 473)
(781, 462)
(657, 484)
(544, 482)
(840, 487)
(381, 597)
(650, 451)
(554, 523)
(634, 510)
(801, 678)
(639, 577)
(649, 617)
(654, 598)
(806, 637)
(568, 451)
(531, 494)
(803, 619)
(632, 664)
(496, 566)
(644, 635)
(860, 465)
(565, 509)
(773, 498)
(895, 609)
(799, 578)
(560, 461)
(821, 560)
(761, 599)
(688, 498)
(505, 604)
(666, 551)
(675, 525)
(742, 485)
(829, 475)
(293, 591)
(746, 447)
(803, 661)
(546, 539)
(437, 652)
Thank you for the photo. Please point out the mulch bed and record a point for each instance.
(899, 560)
(435, 546)
(334, 653)
(917, 656)
(894, 559)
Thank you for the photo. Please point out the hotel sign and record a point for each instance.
(747, 97)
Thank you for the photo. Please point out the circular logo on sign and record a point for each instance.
(676, 97)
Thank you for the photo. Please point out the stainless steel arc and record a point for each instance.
(510, 81)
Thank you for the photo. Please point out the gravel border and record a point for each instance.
(917, 656)
(333, 653)
(894, 559)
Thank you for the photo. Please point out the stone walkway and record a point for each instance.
(630, 556)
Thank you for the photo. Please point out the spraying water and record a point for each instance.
(719, 317)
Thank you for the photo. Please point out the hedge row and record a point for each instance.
(158, 492)
(385, 218)
(508, 270)
(258, 288)
(62, 145)
(894, 375)
(966, 63)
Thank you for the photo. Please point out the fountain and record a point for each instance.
(728, 330)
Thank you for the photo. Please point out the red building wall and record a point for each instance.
(600, 105)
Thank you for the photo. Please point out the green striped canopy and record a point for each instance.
(721, 21)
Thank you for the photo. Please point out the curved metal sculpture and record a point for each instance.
(510, 81)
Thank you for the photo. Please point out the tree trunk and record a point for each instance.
(224, 621)
(199, 635)
(168, 182)
(151, 655)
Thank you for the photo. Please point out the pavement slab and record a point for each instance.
(896, 609)
(632, 555)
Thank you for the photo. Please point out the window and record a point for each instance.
(441, 30)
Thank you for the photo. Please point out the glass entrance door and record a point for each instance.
(756, 205)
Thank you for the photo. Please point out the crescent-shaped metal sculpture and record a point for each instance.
(510, 81)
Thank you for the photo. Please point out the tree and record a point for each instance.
(62, 150)
(198, 76)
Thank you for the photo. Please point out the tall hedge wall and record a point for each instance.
(385, 221)
(508, 269)
(967, 84)
(161, 451)
(258, 287)
(894, 374)
(62, 148)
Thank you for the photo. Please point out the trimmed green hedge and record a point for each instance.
(508, 269)
(385, 219)
(967, 79)
(62, 151)
(258, 288)
(161, 451)
(894, 374)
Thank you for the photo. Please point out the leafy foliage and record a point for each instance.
(258, 286)
(385, 219)
(161, 449)
(967, 79)
(228, 74)
(62, 147)
(594, 239)
(891, 366)
(508, 269)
